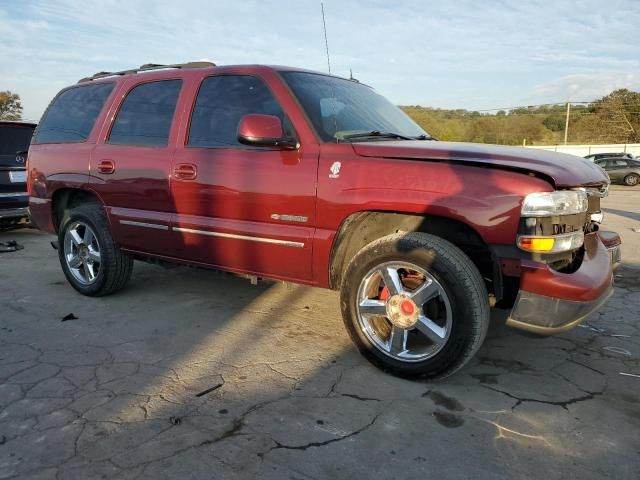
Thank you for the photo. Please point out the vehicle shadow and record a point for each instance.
(623, 213)
(190, 372)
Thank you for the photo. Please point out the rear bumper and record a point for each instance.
(552, 302)
(14, 217)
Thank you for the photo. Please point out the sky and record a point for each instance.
(486, 54)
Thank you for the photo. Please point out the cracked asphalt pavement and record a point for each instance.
(193, 374)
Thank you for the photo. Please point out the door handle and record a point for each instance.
(185, 171)
(107, 167)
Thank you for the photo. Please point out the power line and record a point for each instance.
(562, 104)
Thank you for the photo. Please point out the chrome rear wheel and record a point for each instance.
(82, 252)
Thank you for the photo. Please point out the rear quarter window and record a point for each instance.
(72, 114)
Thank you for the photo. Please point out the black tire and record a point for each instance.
(458, 277)
(631, 180)
(115, 266)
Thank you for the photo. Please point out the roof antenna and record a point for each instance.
(326, 43)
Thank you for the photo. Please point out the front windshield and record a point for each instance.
(342, 109)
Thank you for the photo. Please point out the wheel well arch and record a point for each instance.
(65, 199)
(362, 228)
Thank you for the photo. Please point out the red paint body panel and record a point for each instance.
(565, 170)
(588, 283)
(255, 126)
(276, 213)
(488, 200)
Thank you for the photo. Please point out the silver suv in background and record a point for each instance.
(621, 170)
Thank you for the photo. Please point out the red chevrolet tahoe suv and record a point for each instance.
(305, 177)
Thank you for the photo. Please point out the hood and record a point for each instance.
(563, 169)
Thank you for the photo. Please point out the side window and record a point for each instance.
(619, 163)
(71, 115)
(146, 114)
(222, 102)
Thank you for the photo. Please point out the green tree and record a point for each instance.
(614, 118)
(10, 106)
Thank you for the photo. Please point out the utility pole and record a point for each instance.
(566, 123)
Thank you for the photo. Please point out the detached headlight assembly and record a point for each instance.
(549, 204)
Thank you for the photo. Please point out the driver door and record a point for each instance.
(239, 207)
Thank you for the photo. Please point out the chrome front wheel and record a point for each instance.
(415, 305)
(404, 311)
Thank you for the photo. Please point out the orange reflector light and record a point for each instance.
(537, 244)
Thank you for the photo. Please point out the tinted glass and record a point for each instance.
(14, 139)
(339, 107)
(222, 102)
(71, 115)
(606, 164)
(145, 116)
(619, 163)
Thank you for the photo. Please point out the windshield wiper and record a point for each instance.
(423, 137)
(375, 133)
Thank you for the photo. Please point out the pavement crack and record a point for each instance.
(586, 366)
(558, 403)
(281, 446)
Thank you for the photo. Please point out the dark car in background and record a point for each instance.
(594, 157)
(15, 137)
(621, 169)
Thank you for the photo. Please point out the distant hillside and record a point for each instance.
(614, 118)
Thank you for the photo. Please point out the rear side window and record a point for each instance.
(71, 115)
(145, 116)
(222, 102)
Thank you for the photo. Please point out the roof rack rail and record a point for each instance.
(147, 67)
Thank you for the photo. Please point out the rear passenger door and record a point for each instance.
(130, 166)
(617, 168)
(243, 208)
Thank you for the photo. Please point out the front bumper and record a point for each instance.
(552, 302)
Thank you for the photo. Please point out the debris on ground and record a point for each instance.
(175, 420)
(10, 246)
(71, 316)
(618, 350)
(629, 374)
(208, 390)
(603, 331)
(590, 327)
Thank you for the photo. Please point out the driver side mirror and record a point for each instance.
(264, 131)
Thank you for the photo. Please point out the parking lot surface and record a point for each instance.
(196, 374)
